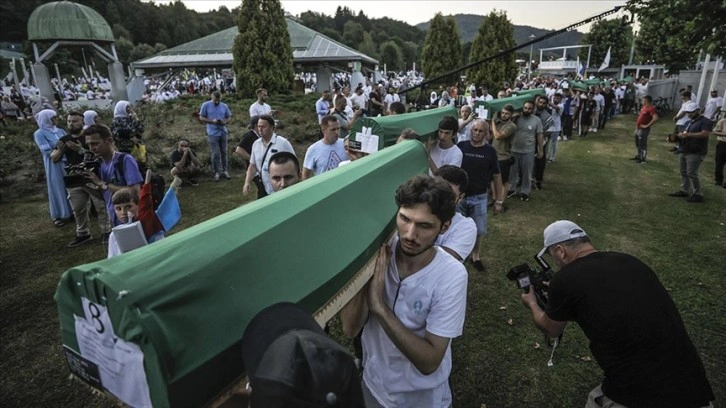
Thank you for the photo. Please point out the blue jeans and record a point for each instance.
(218, 150)
(475, 207)
(552, 150)
(690, 163)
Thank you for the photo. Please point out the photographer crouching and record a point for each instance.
(635, 331)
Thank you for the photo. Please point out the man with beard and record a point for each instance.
(502, 131)
(216, 115)
(544, 112)
(74, 149)
(527, 142)
(413, 305)
(692, 148)
(260, 106)
(263, 148)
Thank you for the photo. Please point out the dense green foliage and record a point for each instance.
(262, 52)
(442, 47)
(682, 26)
(138, 26)
(392, 42)
(495, 33)
(605, 34)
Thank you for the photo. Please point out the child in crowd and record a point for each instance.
(130, 206)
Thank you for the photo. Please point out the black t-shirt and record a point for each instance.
(480, 164)
(636, 333)
(176, 156)
(375, 109)
(72, 157)
(609, 98)
(248, 140)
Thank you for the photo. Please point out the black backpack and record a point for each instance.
(158, 184)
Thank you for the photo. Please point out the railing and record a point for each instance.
(558, 65)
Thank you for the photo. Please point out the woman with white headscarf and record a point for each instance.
(46, 137)
(90, 118)
(126, 127)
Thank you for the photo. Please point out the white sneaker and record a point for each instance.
(594, 130)
(559, 137)
(216, 176)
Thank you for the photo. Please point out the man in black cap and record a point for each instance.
(636, 333)
(292, 363)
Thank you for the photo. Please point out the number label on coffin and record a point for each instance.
(120, 364)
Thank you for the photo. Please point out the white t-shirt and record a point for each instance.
(556, 125)
(464, 131)
(460, 237)
(431, 300)
(712, 105)
(279, 144)
(322, 157)
(359, 100)
(600, 101)
(442, 157)
(390, 98)
(258, 110)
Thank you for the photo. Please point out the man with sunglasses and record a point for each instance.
(635, 331)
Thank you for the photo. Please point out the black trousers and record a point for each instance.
(567, 126)
(540, 164)
(720, 161)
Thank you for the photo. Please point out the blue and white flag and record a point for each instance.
(606, 61)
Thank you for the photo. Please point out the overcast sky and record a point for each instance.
(535, 13)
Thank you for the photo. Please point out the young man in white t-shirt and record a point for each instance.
(413, 306)
(460, 238)
(327, 153)
(442, 150)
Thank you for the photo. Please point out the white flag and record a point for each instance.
(606, 62)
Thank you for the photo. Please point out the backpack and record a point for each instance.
(158, 184)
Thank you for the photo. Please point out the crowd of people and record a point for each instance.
(475, 165)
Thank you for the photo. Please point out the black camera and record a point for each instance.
(76, 173)
(525, 276)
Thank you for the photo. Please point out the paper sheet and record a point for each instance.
(120, 363)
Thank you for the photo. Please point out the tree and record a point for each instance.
(653, 44)
(367, 46)
(496, 33)
(691, 25)
(604, 34)
(353, 34)
(391, 55)
(141, 51)
(442, 47)
(261, 51)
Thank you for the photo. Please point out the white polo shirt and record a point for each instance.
(278, 144)
(460, 237)
(431, 300)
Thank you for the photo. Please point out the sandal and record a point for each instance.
(58, 222)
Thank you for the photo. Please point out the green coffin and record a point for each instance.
(496, 105)
(185, 301)
(388, 128)
(578, 86)
(533, 92)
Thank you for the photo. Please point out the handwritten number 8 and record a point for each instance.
(96, 314)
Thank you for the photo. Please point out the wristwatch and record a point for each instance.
(104, 186)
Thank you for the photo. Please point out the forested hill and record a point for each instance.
(468, 25)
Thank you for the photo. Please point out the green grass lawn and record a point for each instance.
(622, 205)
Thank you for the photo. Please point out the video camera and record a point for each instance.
(76, 173)
(525, 276)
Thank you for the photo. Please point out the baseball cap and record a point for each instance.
(690, 107)
(560, 231)
(291, 362)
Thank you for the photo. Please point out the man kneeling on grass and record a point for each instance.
(185, 164)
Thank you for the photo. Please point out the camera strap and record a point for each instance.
(551, 363)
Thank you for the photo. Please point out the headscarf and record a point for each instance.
(120, 110)
(44, 120)
(89, 118)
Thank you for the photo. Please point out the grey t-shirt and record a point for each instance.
(525, 139)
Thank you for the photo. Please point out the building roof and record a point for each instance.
(64, 20)
(308, 46)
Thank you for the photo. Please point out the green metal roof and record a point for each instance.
(64, 20)
(308, 46)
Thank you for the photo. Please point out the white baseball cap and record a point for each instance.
(560, 231)
(690, 107)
